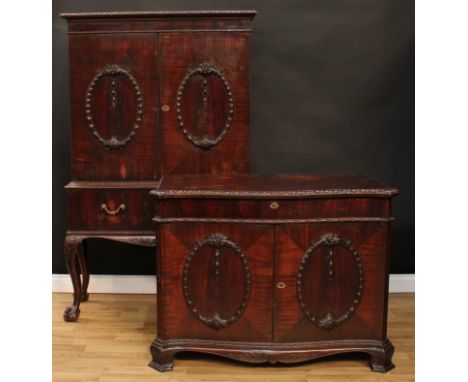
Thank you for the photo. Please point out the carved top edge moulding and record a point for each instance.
(159, 14)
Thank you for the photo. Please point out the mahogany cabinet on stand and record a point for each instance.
(151, 93)
(272, 268)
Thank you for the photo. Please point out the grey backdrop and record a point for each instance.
(332, 92)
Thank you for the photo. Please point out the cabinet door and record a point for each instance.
(215, 281)
(330, 281)
(204, 102)
(113, 87)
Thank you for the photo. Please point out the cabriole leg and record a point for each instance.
(83, 260)
(71, 252)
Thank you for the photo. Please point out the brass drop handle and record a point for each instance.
(281, 285)
(112, 212)
(274, 205)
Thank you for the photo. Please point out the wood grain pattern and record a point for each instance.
(181, 52)
(262, 209)
(262, 186)
(330, 281)
(137, 160)
(157, 21)
(110, 209)
(175, 317)
(380, 352)
(111, 344)
(219, 264)
(123, 138)
(367, 321)
(321, 288)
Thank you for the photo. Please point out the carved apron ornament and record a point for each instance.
(217, 242)
(113, 71)
(204, 70)
(330, 241)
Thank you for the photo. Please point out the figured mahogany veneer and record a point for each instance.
(151, 93)
(272, 268)
(102, 208)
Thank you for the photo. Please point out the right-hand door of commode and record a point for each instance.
(330, 281)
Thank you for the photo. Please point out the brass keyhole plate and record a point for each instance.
(274, 205)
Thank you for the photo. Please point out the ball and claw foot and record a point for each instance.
(84, 297)
(71, 314)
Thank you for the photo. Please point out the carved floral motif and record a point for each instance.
(329, 240)
(204, 70)
(217, 242)
(380, 352)
(113, 71)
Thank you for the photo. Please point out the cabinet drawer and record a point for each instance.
(109, 209)
(274, 209)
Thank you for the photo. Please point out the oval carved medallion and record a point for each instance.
(115, 101)
(330, 281)
(204, 106)
(216, 281)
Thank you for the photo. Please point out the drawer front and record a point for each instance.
(113, 94)
(275, 209)
(330, 281)
(110, 209)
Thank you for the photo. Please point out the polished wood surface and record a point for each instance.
(110, 209)
(263, 185)
(215, 288)
(178, 13)
(138, 55)
(111, 344)
(121, 130)
(283, 209)
(333, 294)
(157, 21)
(203, 102)
(307, 286)
(151, 93)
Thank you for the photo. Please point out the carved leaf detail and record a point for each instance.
(113, 71)
(217, 242)
(204, 70)
(331, 241)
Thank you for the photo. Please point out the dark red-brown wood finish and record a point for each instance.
(97, 206)
(272, 268)
(151, 93)
(215, 287)
(113, 95)
(208, 77)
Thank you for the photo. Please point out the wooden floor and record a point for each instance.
(110, 342)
